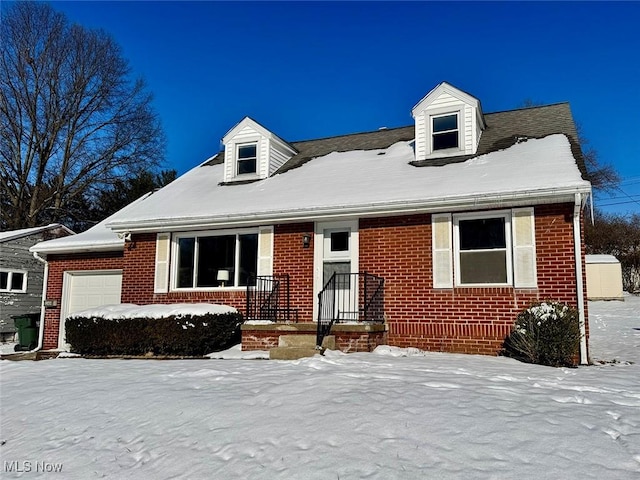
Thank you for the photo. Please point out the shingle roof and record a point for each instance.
(503, 129)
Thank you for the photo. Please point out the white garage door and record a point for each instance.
(84, 290)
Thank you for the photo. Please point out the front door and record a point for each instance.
(337, 248)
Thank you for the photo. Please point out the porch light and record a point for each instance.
(306, 240)
(223, 276)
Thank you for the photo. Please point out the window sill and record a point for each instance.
(208, 289)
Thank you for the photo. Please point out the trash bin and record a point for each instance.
(27, 327)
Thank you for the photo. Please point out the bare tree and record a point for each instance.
(71, 119)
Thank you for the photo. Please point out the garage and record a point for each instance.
(82, 290)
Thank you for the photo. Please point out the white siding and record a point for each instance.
(469, 117)
(440, 102)
(445, 100)
(277, 157)
(272, 152)
(421, 136)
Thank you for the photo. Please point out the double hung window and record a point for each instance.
(483, 250)
(13, 281)
(495, 248)
(445, 131)
(210, 260)
(247, 156)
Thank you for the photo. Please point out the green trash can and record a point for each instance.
(27, 327)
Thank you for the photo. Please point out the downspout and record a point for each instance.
(577, 246)
(44, 295)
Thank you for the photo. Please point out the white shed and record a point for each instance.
(604, 278)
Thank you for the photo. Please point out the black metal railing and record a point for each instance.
(350, 297)
(269, 298)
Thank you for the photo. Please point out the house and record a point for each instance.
(21, 274)
(604, 277)
(434, 235)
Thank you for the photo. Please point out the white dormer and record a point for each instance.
(448, 123)
(252, 152)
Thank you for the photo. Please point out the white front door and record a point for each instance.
(337, 252)
(83, 290)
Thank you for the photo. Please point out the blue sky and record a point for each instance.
(308, 70)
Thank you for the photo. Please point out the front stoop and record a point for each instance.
(294, 347)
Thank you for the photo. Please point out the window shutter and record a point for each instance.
(265, 251)
(524, 248)
(442, 250)
(161, 280)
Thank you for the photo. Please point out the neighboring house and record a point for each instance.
(604, 277)
(21, 274)
(460, 221)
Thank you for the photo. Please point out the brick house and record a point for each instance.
(433, 235)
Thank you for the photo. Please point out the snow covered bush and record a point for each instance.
(173, 335)
(547, 333)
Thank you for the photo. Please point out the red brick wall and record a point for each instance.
(470, 320)
(467, 320)
(138, 279)
(58, 264)
(290, 257)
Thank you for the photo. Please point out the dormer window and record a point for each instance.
(252, 152)
(445, 132)
(448, 123)
(247, 155)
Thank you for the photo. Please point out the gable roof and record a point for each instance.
(97, 238)
(23, 232)
(375, 173)
(502, 130)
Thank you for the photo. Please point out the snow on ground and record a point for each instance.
(393, 414)
(130, 310)
(8, 347)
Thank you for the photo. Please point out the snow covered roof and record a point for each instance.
(97, 238)
(23, 232)
(601, 258)
(525, 157)
(362, 182)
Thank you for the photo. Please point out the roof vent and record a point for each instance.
(383, 128)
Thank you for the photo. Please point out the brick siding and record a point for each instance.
(58, 264)
(466, 320)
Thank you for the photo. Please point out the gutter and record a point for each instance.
(577, 246)
(42, 309)
(462, 202)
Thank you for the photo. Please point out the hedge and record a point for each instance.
(184, 335)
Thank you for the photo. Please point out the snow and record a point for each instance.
(8, 347)
(11, 234)
(601, 258)
(98, 237)
(392, 414)
(129, 310)
(358, 181)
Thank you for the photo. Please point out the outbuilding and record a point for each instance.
(604, 278)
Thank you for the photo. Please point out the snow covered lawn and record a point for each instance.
(374, 416)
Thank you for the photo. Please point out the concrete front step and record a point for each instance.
(308, 341)
(293, 347)
(292, 353)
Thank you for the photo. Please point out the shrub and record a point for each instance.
(188, 335)
(547, 333)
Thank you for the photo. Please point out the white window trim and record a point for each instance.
(506, 214)
(443, 112)
(10, 273)
(237, 147)
(207, 233)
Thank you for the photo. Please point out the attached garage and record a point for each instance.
(604, 278)
(89, 289)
